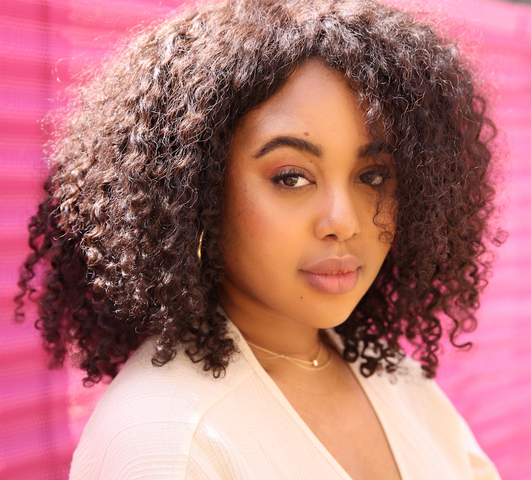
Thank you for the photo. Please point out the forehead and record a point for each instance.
(316, 102)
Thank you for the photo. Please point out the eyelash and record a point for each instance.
(380, 171)
(283, 175)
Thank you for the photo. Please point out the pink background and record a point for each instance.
(43, 44)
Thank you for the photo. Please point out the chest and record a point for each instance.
(344, 421)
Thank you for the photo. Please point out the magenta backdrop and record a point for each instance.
(43, 44)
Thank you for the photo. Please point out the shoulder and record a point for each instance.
(423, 420)
(144, 424)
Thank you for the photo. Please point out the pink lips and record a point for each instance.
(333, 275)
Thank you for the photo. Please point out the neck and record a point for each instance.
(271, 330)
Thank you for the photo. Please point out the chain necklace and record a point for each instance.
(312, 365)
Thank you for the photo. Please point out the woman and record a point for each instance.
(252, 208)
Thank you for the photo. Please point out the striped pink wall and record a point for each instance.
(44, 43)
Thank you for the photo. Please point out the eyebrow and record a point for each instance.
(374, 148)
(368, 150)
(292, 142)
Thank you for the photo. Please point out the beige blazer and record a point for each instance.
(178, 422)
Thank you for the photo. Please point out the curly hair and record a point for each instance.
(138, 174)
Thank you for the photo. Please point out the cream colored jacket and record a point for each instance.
(178, 422)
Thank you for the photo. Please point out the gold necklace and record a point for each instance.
(312, 365)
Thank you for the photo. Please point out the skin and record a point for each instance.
(290, 205)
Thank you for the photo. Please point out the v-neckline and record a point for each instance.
(275, 390)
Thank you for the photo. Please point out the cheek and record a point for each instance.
(383, 219)
(255, 214)
(241, 221)
(377, 234)
(248, 225)
(390, 207)
(263, 241)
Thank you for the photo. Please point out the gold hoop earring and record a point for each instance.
(200, 246)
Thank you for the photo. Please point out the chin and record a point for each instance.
(329, 315)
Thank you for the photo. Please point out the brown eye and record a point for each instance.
(291, 180)
(375, 178)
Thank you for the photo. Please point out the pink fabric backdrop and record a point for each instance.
(43, 44)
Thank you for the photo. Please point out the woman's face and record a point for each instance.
(300, 240)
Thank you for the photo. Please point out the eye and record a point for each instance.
(291, 179)
(375, 178)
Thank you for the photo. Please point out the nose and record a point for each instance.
(338, 216)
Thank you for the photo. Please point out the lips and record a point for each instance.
(333, 276)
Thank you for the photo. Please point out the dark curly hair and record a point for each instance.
(138, 173)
